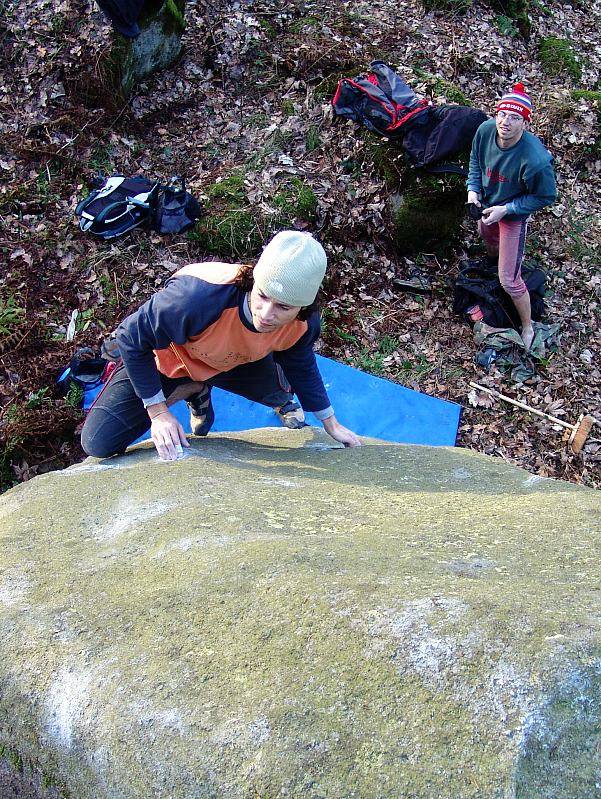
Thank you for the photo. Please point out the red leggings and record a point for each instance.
(508, 239)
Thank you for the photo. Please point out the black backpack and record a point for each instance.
(175, 209)
(477, 287)
(86, 371)
(118, 204)
(380, 99)
(124, 14)
(382, 102)
(443, 132)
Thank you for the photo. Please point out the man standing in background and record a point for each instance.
(510, 177)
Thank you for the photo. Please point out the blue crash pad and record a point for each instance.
(368, 405)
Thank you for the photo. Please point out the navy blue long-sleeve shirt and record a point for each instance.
(200, 327)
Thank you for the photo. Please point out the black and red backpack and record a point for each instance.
(381, 101)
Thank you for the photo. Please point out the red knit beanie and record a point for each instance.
(516, 101)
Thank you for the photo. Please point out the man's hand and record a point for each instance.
(340, 433)
(166, 432)
(474, 197)
(493, 214)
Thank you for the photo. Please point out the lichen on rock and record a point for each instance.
(425, 210)
(157, 47)
(276, 616)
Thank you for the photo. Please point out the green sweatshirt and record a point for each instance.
(520, 177)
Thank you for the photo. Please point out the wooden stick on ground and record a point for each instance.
(579, 431)
(522, 405)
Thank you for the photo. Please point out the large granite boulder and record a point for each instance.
(274, 617)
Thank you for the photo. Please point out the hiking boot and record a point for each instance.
(291, 415)
(202, 414)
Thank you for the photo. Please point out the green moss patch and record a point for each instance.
(304, 24)
(440, 88)
(389, 161)
(236, 229)
(12, 315)
(557, 58)
(516, 11)
(589, 96)
(169, 12)
(452, 92)
(506, 26)
(430, 212)
(512, 11)
(174, 10)
(453, 6)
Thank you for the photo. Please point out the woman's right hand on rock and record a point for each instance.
(167, 435)
(474, 197)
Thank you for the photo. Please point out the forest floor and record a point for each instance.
(250, 98)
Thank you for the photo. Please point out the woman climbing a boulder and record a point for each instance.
(246, 330)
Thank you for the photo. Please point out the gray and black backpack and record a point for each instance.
(118, 204)
(380, 100)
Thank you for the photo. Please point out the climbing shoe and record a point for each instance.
(202, 414)
(291, 415)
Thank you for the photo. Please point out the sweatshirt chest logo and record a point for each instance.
(229, 351)
(228, 343)
(224, 359)
(494, 176)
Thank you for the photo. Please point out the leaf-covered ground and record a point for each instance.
(246, 116)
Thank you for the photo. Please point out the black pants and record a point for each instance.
(118, 416)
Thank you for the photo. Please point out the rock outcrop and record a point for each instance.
(274, 617)
(158, 46)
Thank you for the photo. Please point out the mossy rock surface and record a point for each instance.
(158, 46)
(425, 209)
(427, 213)
(272, 616)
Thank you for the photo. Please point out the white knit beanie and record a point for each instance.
(291, 268)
